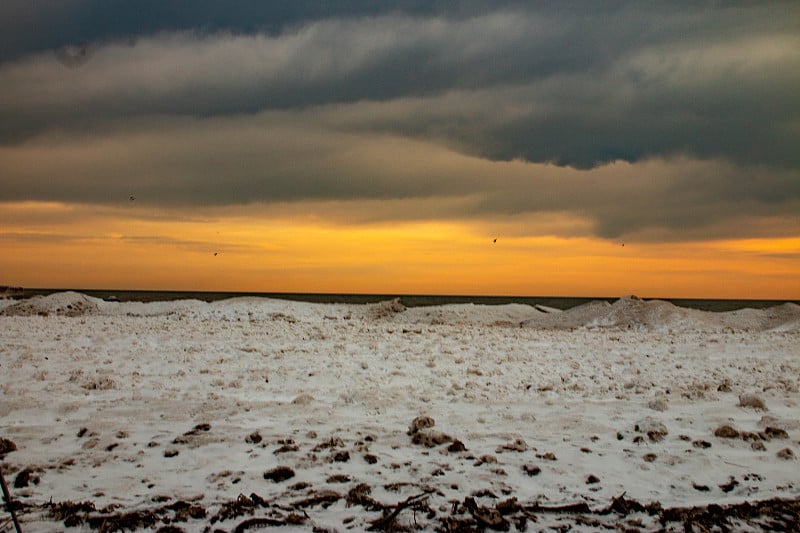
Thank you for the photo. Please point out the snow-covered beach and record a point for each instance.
(346, 417)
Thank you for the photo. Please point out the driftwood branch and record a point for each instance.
(9, 504)
(412, 502)
(775, 514)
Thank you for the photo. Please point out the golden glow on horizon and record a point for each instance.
(767, 246)
(65, 246)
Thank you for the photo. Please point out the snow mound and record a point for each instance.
(255, 309)
(576, 317)
(385, 309)
(472, 314)
(784, 317)
(62, 304)
(631, 312)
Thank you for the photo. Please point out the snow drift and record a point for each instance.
(626, 313)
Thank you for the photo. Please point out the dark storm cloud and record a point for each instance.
(28, 27)
(625, 82)
(679, 197)
(360, 101)
(219, 163)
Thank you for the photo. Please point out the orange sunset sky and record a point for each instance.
(510, 149)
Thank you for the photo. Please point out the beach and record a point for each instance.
(258, 412)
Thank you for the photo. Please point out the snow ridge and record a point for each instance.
(629, 312)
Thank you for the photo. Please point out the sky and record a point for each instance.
(571, 148)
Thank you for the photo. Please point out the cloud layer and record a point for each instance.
(660, 122)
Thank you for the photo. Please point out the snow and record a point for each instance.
(98, 396)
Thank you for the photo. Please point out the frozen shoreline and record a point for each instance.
(523, 389)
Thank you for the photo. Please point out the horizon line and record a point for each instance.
(388, 294)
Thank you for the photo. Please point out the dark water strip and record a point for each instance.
(409, 300)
